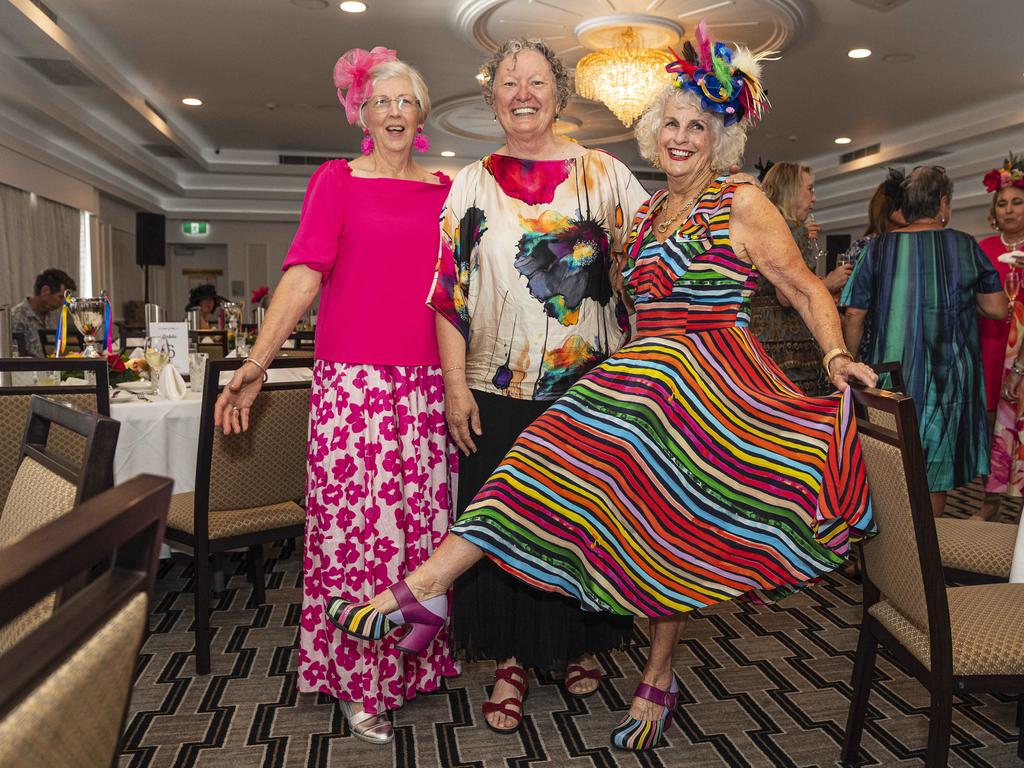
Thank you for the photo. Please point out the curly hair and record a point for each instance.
(729, 141)
(513, 47)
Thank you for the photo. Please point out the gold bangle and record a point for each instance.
(831, 355)
(258, 364)
(451, 368)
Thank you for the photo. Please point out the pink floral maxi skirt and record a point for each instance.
(377, 504)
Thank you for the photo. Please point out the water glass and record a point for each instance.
(48, 378)
(197, 370)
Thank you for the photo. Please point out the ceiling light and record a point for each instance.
(447, 153)
(859, 53)
(843, 140)
(350, 6)
(624, 77)
(192, 102)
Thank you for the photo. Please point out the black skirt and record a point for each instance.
(495, 616)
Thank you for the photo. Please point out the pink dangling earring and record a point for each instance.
(366, 147)
(422, 142)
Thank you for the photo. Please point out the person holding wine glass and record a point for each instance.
(921, 287)
(1001, 342)
(785, 337)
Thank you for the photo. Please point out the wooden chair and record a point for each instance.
(14, 408)
(47, 485)
(975, 552)
(213, 342)
(953, 640)
(47, 337)
(64, 688)
(249, 487)
(129, 335)
(20, 343)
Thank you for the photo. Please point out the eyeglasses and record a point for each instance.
(383, 103)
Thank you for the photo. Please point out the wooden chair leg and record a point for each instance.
(219, 580)
(1020, 726)
(255, 558)
(940, 722)
(863, 668)
(201, 585)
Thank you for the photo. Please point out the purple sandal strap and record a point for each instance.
(656, 695)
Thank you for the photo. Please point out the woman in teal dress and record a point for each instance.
(921, 288)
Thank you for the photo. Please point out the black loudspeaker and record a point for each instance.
(150, 242)
(835, 245)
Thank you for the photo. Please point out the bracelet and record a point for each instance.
(831, 355)
(451, 368)
(266, 374)
(1017, 368)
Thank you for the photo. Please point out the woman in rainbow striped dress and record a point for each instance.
(686, 469)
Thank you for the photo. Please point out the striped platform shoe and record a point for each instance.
(638, 735)
(424, 620)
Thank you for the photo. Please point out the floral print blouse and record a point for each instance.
(523, 270)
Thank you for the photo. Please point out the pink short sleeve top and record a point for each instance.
(376, 241)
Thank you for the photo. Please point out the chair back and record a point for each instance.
(213, 342)
(901, 563)
(129, 335)
(48, 486)
(14, 407)
(264, 465)
(48, 339)
(64, 689)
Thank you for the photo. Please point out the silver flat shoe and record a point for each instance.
(375, 729)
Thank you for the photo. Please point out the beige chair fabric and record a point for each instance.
(986, 625)
(73, 719)
(891, 559)
(37, 497)
(233, 522)
(975, 546)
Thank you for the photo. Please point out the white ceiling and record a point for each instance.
(263, 67)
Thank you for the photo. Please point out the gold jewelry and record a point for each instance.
(266, 374)
(831, 355)
(663, 227)
(451, 368)
(1011, 246)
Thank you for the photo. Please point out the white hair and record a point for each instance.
(729, 143)
(391, 69)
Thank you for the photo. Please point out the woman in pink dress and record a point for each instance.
(1001, 342)
(378, 500)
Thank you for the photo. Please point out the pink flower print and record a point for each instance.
(391, 491)
(384, 549)
(355, 419)
(377, 401)
(354, 493)
(344, 468)
(435, 389)
(359, 382)
(311, 616)
(332, 579)
(332, 495)
(314, 673)
(405, 420)
(368, 450)
(312, 586)
(320, 643)
(371, 513)
(388, 429)
(392, 462)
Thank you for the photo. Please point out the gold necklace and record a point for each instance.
(663, 227)
(1012, 246)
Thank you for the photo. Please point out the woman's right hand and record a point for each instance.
(232, 408)
(463, 416)
(836, 279)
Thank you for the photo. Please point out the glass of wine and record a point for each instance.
(818, 253)
(158, 353)
(1012, 286)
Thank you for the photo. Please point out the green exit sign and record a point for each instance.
(194, 227)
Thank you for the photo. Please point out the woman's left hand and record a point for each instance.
(843, 370)
(735, 177)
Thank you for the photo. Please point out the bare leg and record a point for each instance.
(989, 507)
(938, 503)
(502, 691)
(665, 634)
(586, 685)
(453, 558)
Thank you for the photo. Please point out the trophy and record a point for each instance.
(88, 315)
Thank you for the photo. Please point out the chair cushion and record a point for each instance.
(74, 717)
(975, 546)
(988, 634)
(233, 522)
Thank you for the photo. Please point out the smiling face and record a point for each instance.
(804, 201)
(391, 115)
(1009, 210)
(525, 97)
(685, 141)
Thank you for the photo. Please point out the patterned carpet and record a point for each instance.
(761, 686)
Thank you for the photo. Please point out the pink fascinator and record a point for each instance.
(353, 72)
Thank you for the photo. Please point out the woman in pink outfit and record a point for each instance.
(378, 500)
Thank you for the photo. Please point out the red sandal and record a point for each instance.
(575, 673)
(513, 705)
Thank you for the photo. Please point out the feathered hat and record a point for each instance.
(727, 81)
(1011, 174)
(352, 71)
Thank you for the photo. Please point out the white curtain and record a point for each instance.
(35, 234)
(103, 264)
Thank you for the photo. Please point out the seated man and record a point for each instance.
(33, 314)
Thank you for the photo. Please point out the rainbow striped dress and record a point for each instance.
(686, 469)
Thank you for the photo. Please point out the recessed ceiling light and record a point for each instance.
(447, 153)
(859, 53)
(843, 140)
(351, 6)
(192, 102)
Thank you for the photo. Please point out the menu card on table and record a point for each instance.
(177, 341)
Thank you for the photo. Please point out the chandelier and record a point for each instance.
(624, 78)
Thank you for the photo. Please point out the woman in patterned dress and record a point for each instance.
(921, 288)
(686, 469)
(377, 501)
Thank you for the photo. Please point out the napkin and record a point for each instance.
(170, 384)
(136, 353)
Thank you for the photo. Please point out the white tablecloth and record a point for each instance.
(160, 437)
